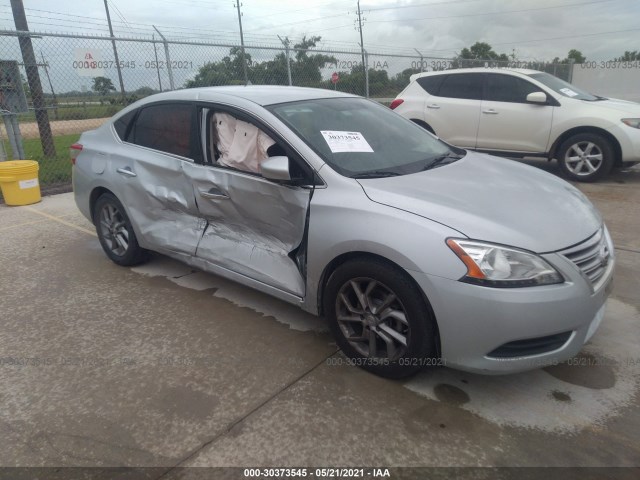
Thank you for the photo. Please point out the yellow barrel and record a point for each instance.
(19, 182)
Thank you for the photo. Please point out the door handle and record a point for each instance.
(214, 193)
(491, 111)
(434, 106)
(126, 171)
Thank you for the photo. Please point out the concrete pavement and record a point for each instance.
(160, 365)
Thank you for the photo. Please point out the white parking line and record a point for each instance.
(60, 220)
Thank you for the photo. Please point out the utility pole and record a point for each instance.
(115, 51)
(33, 78)
(155, 52)
(286, 42)
(53, 93)
(421, 60)
(244, 63)
(168, 58)
(364, 65)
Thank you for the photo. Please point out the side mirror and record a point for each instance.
(537, 97)
(276, 168)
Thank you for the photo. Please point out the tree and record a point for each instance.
(482, 51)
(102, 85)
(145, 91)
(305, 68)
(576, 56)
(628, 56)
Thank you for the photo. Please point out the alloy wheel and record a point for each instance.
(583, 158)
(113, 227)
(372, 319)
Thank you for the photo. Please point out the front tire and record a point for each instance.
(379, 318)
(115, 232)
(586, 157)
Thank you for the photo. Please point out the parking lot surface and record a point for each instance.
(160, 365)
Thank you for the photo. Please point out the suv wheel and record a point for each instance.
(586, 157)
(379, 319)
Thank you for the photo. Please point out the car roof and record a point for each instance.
(259, 94)
(522, 71)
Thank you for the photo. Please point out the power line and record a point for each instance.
(505, 12)
(303, 21)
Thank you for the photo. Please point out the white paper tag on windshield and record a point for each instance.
(568, 92)
(346, 141)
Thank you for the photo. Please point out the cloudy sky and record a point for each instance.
(535, 29)
(532, 29)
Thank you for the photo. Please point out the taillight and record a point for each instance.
(395, 103)
(74, 151)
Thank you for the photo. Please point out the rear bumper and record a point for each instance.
(474, 322)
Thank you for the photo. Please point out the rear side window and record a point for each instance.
(122, 124)
(431, 84)
(166, 127)
(462, 85)
(505, 88)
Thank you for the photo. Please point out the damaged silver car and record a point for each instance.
(416, 252)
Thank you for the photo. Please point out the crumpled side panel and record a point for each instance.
(161, 203)
(252, 231)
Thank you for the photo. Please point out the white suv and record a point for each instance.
(524, 113)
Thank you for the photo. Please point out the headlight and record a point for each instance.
(496, 266)
(632, 122)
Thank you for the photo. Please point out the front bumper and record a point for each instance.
(474, 320)
(629, 140)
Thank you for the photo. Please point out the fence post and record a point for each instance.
(166, 54)
(286, 43)
(366, 73)
(570, 73)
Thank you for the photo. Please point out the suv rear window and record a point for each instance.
(462, 85)
(431, 84)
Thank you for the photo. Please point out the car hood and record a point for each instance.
(623, 106)
(493, 199)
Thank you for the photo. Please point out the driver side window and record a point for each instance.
(237, 144)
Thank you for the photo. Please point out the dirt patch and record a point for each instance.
(58, 127)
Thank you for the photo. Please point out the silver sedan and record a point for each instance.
(416, 252)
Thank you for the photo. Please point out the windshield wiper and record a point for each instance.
(441, 160)
(375, 174)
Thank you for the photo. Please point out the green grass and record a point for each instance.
(52, 170)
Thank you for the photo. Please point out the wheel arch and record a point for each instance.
(96, 193)
(617, 161)
(348, 256)
(424, 125)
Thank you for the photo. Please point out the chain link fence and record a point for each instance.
(87, 79)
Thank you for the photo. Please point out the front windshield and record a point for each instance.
(563, 88)
(360, 138)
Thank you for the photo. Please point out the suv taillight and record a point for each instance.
(395, 103)
(74, 151)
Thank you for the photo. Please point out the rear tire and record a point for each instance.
(115, 232)
(586, 157)
(380, 319)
